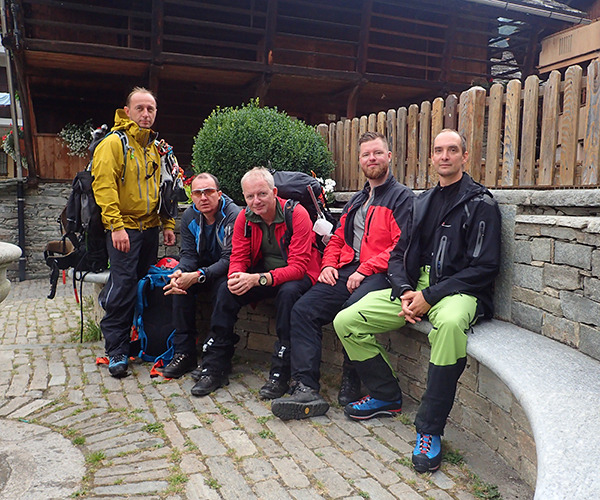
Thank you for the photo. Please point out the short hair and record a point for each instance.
(371, 136)
(137, 90)
(207, 175)
(463, 141)
(261, 172)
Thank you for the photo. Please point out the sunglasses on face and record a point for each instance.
(205, 191)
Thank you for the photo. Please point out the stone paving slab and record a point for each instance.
(149, 438)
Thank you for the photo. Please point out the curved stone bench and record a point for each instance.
(559, 390)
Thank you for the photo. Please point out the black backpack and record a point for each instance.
(298, 187)
(83, 244)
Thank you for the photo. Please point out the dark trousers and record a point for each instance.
(119, 294)
(184, 315)
(316, 308)
(219, 348)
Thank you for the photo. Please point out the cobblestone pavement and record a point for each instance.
(150, 438)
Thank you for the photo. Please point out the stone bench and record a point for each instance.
(559, 391)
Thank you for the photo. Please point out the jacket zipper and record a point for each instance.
(439, 258)
(479, 242)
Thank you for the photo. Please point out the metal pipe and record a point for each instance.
(14, 118)
(535, 11)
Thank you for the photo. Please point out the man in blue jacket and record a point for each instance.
(206, 235)
(446, 272)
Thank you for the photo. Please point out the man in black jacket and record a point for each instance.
(206, 235)
(446, 272)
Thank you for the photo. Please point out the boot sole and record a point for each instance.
(292, 410)
(380, 413)
(208, 390)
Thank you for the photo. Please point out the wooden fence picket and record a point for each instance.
(529, 132)
(569, 130)
(511, 133)
(591, 163)
(424, 141)
(549, 137)
(494, 137)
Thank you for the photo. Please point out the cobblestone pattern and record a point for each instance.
(557, 279)
(150, 438)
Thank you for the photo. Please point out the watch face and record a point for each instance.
(262, 280)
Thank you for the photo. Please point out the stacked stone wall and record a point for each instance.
(556, 279)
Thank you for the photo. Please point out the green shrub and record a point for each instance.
(233, 140)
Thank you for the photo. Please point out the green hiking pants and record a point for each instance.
(451, 317)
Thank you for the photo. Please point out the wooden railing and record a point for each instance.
(540, 134)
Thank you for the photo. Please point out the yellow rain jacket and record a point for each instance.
(128, 197)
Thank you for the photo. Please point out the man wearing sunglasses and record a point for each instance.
(126, 189)
(206, 234)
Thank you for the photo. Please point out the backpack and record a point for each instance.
(83, 244)
(298, 187)
(152, 330)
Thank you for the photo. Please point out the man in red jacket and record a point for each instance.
(265, 262)
(355, 262)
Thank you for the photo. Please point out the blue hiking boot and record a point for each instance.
(369, 407)
(117, 365)
(427, 455)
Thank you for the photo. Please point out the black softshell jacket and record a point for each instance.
(466, 255)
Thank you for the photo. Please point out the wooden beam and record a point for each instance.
(363, 38)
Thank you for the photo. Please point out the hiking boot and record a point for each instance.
(196, 373)
(180, 365)
(369, 407)
(427, 455)
(117, 365)
(304, 402)
(273, 389)
(208, 383)
(349, 388)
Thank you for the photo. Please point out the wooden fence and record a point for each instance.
(542, 134)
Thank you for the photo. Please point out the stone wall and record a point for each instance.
(43, 205)
(554, 257)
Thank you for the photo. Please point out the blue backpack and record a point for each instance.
(152, 319)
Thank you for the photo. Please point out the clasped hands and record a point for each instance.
(180, 282)
(414, 306)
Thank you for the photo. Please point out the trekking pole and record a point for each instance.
(315, 202)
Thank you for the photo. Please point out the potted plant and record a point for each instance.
(8, 145)
(77, 138)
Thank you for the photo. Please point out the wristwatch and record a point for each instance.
(262, 279)
(201, 276)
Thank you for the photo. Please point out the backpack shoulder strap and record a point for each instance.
(288, 215)
(126, 148)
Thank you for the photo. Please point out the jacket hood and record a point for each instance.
(142, 135)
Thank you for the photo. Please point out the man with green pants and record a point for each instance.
(446, 273)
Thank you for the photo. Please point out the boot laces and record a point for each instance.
(363, 400)
(425, 443)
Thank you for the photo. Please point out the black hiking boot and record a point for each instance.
(349, 387)
(180, 365)
(303, 403)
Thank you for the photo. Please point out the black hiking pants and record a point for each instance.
(119, 294)
(219, 348)
(315, 309)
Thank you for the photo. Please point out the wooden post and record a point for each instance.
(450, 112)
(529, 133)
(492, 154)
(549, 137)
(569, 137)
(412, 144)
(424, 144)
(470, 124)
(511, 133)
(401, 117)
(391, 136)
(591, 162)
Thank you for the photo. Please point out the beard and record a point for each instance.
(376, 172)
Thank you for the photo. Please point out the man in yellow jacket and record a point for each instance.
(126, 187)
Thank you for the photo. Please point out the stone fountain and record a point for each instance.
(9, 253)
